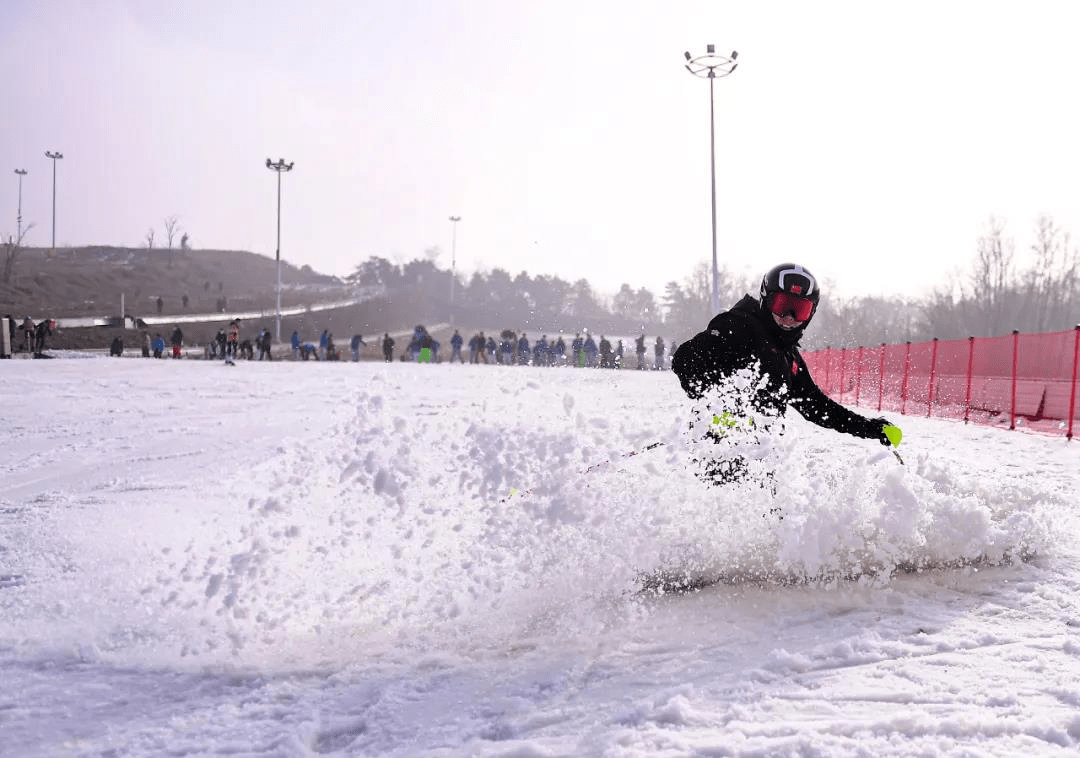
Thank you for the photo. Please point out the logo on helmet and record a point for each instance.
(797, 288)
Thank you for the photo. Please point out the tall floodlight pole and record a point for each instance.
(55, 157)
(278, 167)
(712, 66)
(453, 263)
(18, 217)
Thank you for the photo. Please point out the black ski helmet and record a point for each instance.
(793, 279)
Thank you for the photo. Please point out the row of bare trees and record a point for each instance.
(12, 247)
(995, 296)
(999, 293)
(172, 229)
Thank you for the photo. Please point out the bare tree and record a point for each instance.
(993, 277)
(12, 248)
(172, 226)
(1048, 283)
(149, 239)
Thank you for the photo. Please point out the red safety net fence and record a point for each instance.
(1028, 379)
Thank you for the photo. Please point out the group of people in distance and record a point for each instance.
(514, 349)
(29, 336)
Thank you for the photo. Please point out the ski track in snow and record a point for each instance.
(298, 559)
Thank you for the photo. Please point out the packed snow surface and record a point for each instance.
(300, 559)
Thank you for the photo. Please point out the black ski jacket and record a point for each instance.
(745, 337)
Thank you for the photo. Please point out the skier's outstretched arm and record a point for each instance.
(814, 405)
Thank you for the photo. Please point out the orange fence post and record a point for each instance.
(904, 384)
(827, 385)
(1072, 392)
(842, 351)
(967, 392)
(1012, 400)
(881, 377)
(933, 375)
(858, 374)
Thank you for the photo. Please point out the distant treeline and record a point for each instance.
(994, 297)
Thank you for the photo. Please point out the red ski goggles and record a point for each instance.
(783, 304)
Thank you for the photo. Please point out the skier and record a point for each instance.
(605, 352)
(265, 343)
(28, 328)
(523, 351)
(177, 341)
(41, 331)
(762, 336)
(455, 347)
(388, 347)
(232, 343)
(354, 345)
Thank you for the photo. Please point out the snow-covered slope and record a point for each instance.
(302, 559)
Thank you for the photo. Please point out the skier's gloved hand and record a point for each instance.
(885, 432)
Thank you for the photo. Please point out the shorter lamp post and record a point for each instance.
(453, 263)
(18, 217)
(279, 167)
(55, 157)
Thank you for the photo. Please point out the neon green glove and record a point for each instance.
(892, 434)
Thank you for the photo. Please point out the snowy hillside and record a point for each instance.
(298, 559)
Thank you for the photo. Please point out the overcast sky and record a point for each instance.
(870, 142)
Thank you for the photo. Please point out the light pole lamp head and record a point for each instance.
(52, 155)
(280, 166)
(455, 218)
(20, 171)
(711, 65)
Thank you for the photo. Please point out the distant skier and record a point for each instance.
(265, 343)
(43, 329)
(455, 347)
(28, 328)
(232, 349)
(388, 347)
(323, 340)
(762, 337)
(354, 345)
(177, 341)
